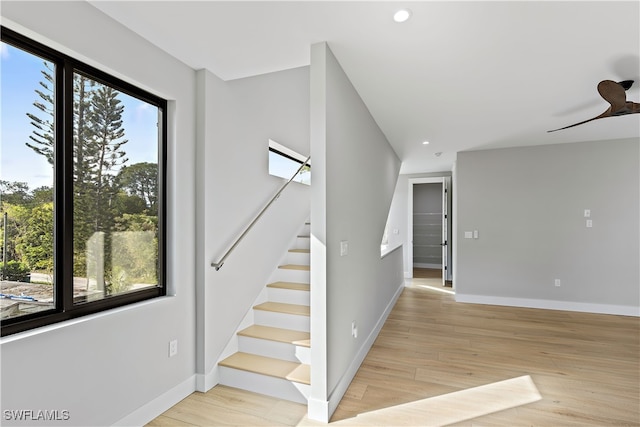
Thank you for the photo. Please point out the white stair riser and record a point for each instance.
(303, 354)
(270, 386)
(300, 258)
(281, 320)
(297, 276)
(274, 349)
(288, 296)
(301, 243)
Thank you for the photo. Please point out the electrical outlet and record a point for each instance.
(173, 348)
(354, 329)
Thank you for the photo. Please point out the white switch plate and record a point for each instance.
(475, 234)
(468, 234)
(173, 348)
(587, 213)
(589, 223)
(344, 248)
(557, 282)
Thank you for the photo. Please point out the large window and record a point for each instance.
(81, 188)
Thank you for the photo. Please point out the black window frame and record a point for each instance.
(65, 309)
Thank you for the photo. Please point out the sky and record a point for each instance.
(20, 74)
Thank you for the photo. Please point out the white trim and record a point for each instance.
(428, 180)
(341, 388)
(318, 410)
(386, 249)
(620, 310)
(157, 406)
(205, 382)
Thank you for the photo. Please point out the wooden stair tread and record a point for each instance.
(277, 368)
(288, 336)
(293, 286)
(295, 267)
(300, 251)
(280, 307)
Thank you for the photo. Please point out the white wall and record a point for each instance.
(105, 367)
(236, 119)
(528, 206)
(354, 175)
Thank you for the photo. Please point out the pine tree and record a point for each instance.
(107, 138)
(43, 134)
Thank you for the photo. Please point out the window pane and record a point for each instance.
(284, 167)
(115, 213)
(26, 183)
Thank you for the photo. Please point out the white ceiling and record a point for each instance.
(463, 75)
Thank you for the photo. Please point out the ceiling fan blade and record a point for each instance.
(626, 84)
(613, 93)
(603, 115)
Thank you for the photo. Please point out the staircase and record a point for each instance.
(273, 356)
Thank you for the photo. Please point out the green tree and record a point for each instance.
(35, 243)
(107, 138)
(141, 179)
(43, 135)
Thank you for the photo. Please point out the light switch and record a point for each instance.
(589, 223)
(344, 248)
(475, 234)
(468, 234)
(587, 213)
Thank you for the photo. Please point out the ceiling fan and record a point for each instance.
(614, 94)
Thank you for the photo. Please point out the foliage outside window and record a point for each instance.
(81, 188)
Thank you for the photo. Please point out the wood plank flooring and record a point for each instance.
(438, 362)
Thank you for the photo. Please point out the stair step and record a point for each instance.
(288, 336)
(293, 286)
(296, 372)
(300, 251)
(295, 267)
(279, 307)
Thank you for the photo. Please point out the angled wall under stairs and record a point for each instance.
(273, 352)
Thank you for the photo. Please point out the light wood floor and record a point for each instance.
(437, 362)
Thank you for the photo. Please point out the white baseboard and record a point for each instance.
(157, 406)
(318, 410)
(621, 310)
(205, 382)
(341, 388)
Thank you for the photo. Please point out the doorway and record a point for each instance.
(430, 229)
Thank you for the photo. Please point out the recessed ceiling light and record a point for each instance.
(402, 15)
(425, 142)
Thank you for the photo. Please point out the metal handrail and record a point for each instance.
(218, 265)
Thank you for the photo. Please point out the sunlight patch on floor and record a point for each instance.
(453, 407)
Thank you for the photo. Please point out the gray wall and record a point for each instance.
(354, 176)
(528, 207)
(104, 367)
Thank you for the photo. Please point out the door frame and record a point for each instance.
(446, 185)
